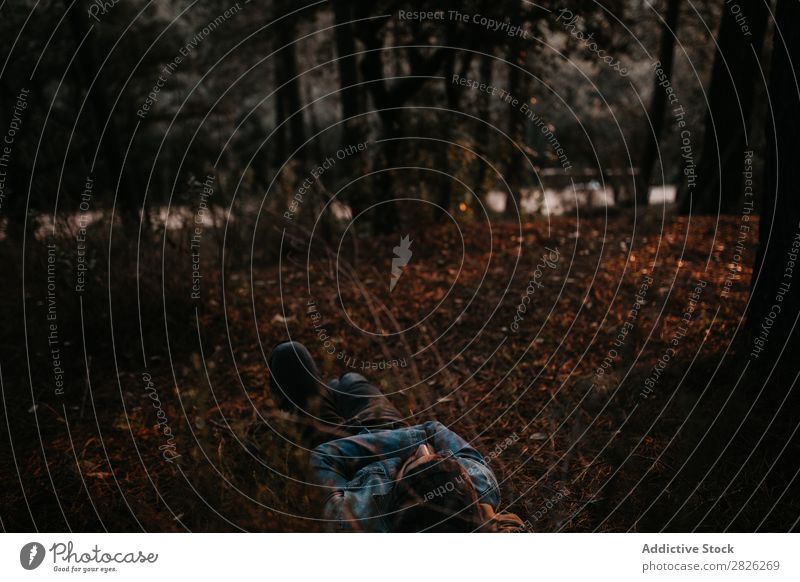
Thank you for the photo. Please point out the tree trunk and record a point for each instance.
(516, 126)
(447, 184)
(775, 301)
(386, 217)
(482, 134)
(290, 92)
(658, 104)
(281, 131)
(345, 48)
(19, 171)
(729, 126)
(111, 150)
(350, 97)
(445, 179)
(387, 102)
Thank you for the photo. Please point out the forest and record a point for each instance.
(564, 230)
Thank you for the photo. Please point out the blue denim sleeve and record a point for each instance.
(444, 439)
(336, 462)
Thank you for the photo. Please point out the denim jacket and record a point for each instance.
(358, 472)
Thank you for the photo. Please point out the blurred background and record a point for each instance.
(258, 93)
(180, 180)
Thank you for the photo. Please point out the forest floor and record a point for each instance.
(611, 403)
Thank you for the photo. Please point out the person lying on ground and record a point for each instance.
(380, 474)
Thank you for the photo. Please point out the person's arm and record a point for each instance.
(442, 438)
(504, 522)
(336, 462)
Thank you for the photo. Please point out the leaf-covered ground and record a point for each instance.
(593, 362)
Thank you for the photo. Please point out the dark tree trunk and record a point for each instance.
(372, 68)
(281, 130)
(658, 104)
(289, 92)
(729, 121)
(447, 184)
(387, 101)
(19, 171)
(515, 130)
(517, 84)
(111, 148)
(348, 72)
(482, 134)
(445, 181)
(775, 301)
(386, 214)
(350, 96)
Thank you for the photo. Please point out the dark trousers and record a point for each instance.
(342, 407)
